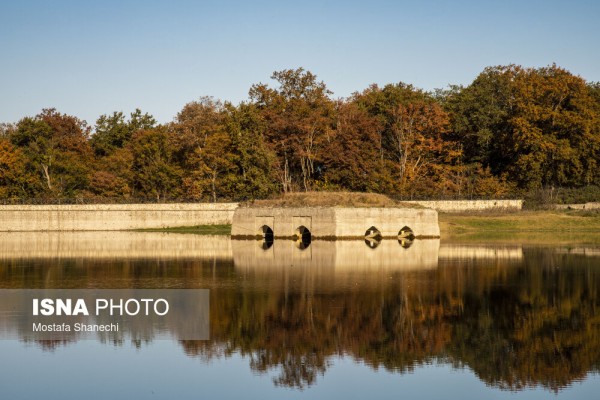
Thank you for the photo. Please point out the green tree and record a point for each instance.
(155, 174)
(255, 177)
(57, 150)
(114, 132)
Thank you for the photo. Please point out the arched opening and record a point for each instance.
(302, 237)
(373, 237)
(266, 233)
(406, 233)
(373, 233)
(406, 237)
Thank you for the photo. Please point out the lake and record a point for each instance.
(329, 319)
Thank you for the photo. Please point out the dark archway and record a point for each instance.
(406, 233)
(373, 233)
(266, 233)
(373, 237)
(303, 237)
(406, 236)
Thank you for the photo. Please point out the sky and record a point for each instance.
(88, 58)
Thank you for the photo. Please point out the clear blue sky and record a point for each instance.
(89, 58)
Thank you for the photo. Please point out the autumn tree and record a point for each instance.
(57, 150)
(538, 126)
(154, 172)
(15, 180)
(413, 139)
(204, 150)
(350, 159)
(298, 116)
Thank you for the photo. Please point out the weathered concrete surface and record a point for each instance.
(334, 222)
(470, 205)
(112, 245)
(583, 206)
(344, 255)
(112, 217)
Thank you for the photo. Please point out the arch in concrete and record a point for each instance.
(267, 235)
(406, 233)
(303, 237)
(373, 233)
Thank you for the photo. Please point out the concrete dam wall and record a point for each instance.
(112, 217)
(470, 205)
(334, 222)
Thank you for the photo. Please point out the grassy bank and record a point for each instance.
(525, 226)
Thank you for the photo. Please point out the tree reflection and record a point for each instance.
(515, 323)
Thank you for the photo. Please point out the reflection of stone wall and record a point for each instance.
(464, 252)
(111, 217)
(101, 245)
(346, 255)
(340, 222)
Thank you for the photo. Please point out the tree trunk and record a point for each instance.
(45, 169)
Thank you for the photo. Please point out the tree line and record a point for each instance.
(512, 131)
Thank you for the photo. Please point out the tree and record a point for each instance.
(204, 150)
(57, 150)
(298, 116)
(154, 172)
(114, 132)
(538, 126)
(15, 179)
(413, 138)
(255, 177)
(350, 155)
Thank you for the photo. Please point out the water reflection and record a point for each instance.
(518, 316)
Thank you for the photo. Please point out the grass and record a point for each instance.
(524, 227)
(329, 199)
(198, 230)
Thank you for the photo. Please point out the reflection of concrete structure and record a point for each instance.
(20, 245)
(350, 255)
(334, 222)
(580, 251)
(477, 252)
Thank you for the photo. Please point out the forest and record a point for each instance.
(513, 132)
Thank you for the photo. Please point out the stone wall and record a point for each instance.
(583, 206)
(470, 205)
(113, 217)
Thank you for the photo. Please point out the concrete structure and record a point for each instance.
(334, 222)
(112, 217)
(583, 206)
(470, 205)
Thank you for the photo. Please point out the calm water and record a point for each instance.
(426, 320)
